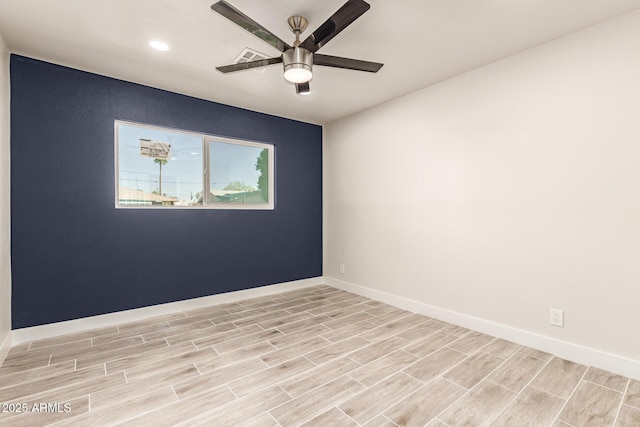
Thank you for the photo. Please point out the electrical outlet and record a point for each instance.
(341, 268)
(556, 317)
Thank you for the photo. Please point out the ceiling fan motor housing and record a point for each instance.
(297, 63)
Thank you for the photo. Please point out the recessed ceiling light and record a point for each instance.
(158, 45)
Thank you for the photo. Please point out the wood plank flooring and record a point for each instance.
(312, 357)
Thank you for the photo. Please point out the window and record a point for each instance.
(166, 168)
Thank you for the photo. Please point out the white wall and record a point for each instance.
(5, 224)
(503, 192)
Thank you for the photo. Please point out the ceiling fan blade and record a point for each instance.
(348, 63)
(239, 18)
(340, 20)
(248, 65)
(303, 88)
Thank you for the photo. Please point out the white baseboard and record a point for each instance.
(565, 350)
(5, 346)
(19, 336)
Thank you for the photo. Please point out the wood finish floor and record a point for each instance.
(313, 357)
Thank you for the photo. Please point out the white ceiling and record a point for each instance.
(421, 42)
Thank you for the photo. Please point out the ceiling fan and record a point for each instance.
(298, 60)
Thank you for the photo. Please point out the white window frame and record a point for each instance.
(206, 185)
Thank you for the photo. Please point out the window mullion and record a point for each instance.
(206, 190)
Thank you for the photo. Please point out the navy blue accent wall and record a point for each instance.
(74, 255)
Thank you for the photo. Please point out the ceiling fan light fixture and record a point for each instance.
(298, 74)
(297, 65)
